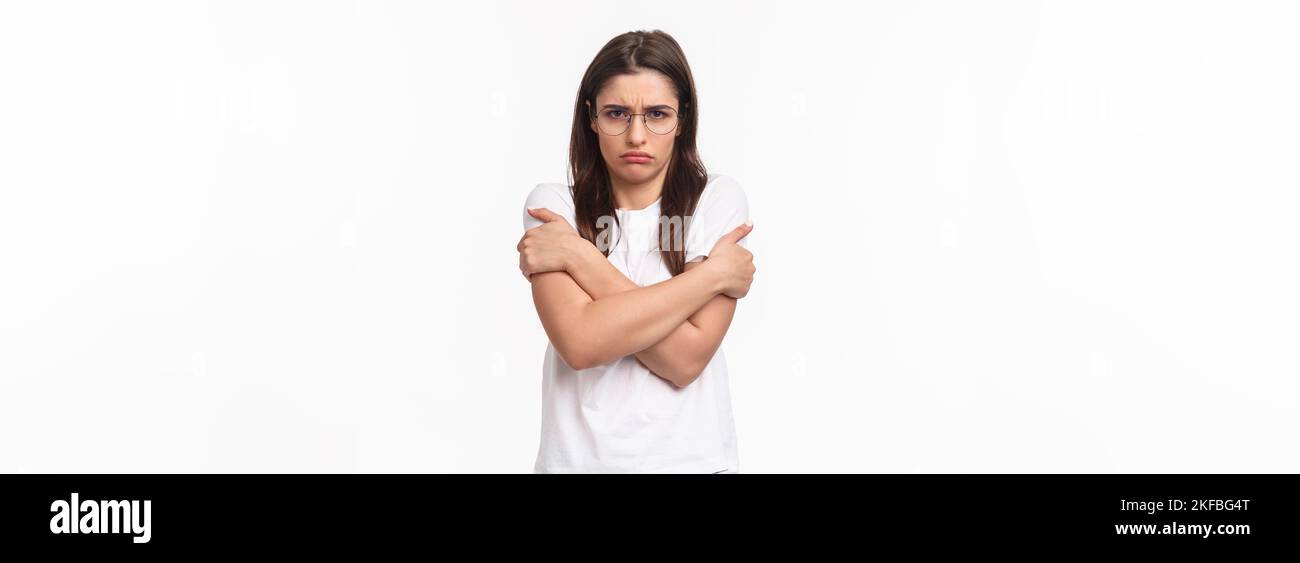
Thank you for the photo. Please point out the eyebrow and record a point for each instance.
(617, 106)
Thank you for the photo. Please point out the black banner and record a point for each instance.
(137, 514)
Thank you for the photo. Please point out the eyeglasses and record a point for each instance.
(615, 121)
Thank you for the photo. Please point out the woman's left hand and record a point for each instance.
(548, 247)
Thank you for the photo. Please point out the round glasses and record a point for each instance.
(616, 121)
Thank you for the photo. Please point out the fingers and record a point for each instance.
(544, 214)
(738, 233)
(523, 269)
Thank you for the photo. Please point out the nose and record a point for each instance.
(636, 133)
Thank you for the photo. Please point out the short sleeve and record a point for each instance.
(555, 197)
(722, 208)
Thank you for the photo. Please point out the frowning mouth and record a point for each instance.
(636, 157)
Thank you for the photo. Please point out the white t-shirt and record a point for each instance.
(620, 417)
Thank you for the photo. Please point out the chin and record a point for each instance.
(635, 176)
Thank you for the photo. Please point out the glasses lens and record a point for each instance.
(661, 121)
(612, 121)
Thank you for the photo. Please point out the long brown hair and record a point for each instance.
(686, 176)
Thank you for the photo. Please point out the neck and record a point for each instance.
(637, 196)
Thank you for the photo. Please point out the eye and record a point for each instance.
(615, 113)
(658, 114)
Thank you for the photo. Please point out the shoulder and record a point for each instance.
(722, 192)
(553, 196)
(722, 207)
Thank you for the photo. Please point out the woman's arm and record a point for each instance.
(589, 332)
(681, 355)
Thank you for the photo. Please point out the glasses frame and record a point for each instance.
(595, 115)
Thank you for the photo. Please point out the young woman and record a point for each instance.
(635, 270)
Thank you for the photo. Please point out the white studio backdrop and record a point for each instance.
(993, 236)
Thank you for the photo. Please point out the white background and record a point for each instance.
(991, 237)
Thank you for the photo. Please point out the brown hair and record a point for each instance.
(686, 176)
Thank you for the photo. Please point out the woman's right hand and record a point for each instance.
(550, 247)
(732, 263)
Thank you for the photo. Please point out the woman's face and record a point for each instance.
(641, 93)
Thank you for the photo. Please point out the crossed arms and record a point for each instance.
(593, 314)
